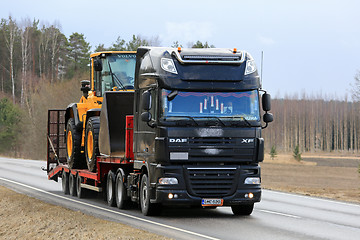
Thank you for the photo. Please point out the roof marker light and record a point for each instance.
(179, 49)
(235, 50)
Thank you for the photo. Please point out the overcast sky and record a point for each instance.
(309, 46)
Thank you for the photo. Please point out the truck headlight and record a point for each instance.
(168, 65)
(168, 181)
(252, 180)
(250, 67)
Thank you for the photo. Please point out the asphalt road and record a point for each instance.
(277, 216)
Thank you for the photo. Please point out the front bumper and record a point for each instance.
(182, 197)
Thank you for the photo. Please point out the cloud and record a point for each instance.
(266, 40)
(189, 31)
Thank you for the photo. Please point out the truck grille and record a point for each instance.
(223, 149)
(212, 182)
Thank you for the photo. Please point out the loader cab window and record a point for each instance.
(118, 71)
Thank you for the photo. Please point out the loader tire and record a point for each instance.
(91, 142)
(75, 158)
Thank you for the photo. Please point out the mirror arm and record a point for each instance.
(151, 124)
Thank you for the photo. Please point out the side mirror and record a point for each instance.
(85, 86)
(97, 65)
(268, 117)
(146, 117)
(146, 100)
(266, 102)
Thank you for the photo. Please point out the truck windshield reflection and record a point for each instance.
(220, 105)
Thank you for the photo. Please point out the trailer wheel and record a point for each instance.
(147, 208)
(72, 185)
(80, 192)
(65, 182)
(74, 157)
(91, 142)
(110, 189)
(242, 210)
(121, 198)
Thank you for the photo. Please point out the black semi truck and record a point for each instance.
(190, 133)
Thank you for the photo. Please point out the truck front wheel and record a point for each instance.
(242, 210)
(91, 142)
(147, 208)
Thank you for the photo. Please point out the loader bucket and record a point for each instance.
(115, 107)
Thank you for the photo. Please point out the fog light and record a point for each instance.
(252, 180)
(249, 195)
(167, 181)
(171, 196)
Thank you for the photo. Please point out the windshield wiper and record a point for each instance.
(116, 78)
(183, 117)
(242, 118)
(217, 118)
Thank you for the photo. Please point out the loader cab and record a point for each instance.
(112, 71)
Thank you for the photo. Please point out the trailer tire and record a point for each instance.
(147, 208)
(74, 157)
(91, 142)
(243, 209)
(72, 185)
(121, 198)
(110, 189)
(79, 191)
(65, 182)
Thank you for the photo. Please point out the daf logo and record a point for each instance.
(177, 140)
(248, 140)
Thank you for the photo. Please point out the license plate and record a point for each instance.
(211, 202)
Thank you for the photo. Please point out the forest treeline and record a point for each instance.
(314, 124)
(41, 68)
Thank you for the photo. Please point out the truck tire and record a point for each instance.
(121, 198)
(72, 185)
(110, 189)
(147, 208)
(242, 210)
(91, 142)
(75, 158)
(65, 182)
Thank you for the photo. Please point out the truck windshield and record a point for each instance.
(221, 106)
(118, 71)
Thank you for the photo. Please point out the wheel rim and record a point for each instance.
(90, 139)
(71, 184)
(110, 189)
(69, 144)
(144, 193)
(63, 181)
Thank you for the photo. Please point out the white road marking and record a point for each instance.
(278, 213)
(111, 211)
(316, 198)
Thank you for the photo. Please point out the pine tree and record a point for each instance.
(273, 152)
(79, 51)
(297, 153)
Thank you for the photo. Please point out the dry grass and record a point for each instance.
(332, 180)
(23, 217)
